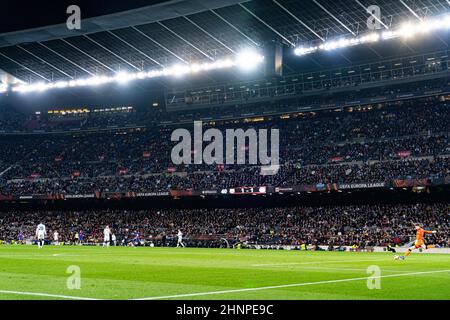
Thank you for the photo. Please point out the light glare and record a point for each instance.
(247, 60)
(407, 30)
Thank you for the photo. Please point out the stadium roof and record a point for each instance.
(185, 31)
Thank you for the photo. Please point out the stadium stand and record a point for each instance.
(375, 116)
(364, 226)
(379, 143)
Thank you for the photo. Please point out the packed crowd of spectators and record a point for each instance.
(373, 144)
(378, 172)
(364, 226)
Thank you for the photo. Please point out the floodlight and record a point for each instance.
(195, 67)
(61, 84)
(179, 70)
(446, 21)
(407, 30)
(124, 77)
(41, 86)
(246, 60)
(388, 35)
(373, 37)
(249, 59)
(300, 51)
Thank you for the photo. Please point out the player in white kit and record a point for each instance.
(180, 239)
(106, 236)
(40, 235)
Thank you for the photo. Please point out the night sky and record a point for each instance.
(20, 14)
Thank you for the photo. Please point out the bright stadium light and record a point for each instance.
(124, 77)
(386, 35)
(3, 87)
(446, 22)
(141, 75)
(61, 84)
(247, 60)
(302, 50)
(95, 81)
(408, 30)
(178, 70)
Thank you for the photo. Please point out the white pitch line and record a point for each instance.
(40, 294)
(48, 295)
(310, 262)
(338, 269)
(286, 286)
(65, 255)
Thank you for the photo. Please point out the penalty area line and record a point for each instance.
(48, 295)
(287, 285)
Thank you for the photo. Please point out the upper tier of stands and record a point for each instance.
(376, 143)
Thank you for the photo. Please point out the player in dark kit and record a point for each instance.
(164, 240)
(390, 248)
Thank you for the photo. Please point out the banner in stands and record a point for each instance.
(411, 183)
(79, 196)
(76, 173)
(337, 159)
(184, 193)
(42, 197)
(114, 195)
(306, 188)
(34, 175)
(152, 194)
(404, 153)
(284, 189)
(261, 190)
(329, 187)
(209, 192)
(362, 185)
(120, 195)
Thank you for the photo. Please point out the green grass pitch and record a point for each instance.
(188, 273)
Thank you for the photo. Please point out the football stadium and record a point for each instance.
(226, 150)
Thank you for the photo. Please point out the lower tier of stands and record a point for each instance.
(363, 225)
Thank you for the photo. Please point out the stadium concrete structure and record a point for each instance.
(86, 118)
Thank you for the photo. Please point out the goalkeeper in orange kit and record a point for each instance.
(419, 243)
